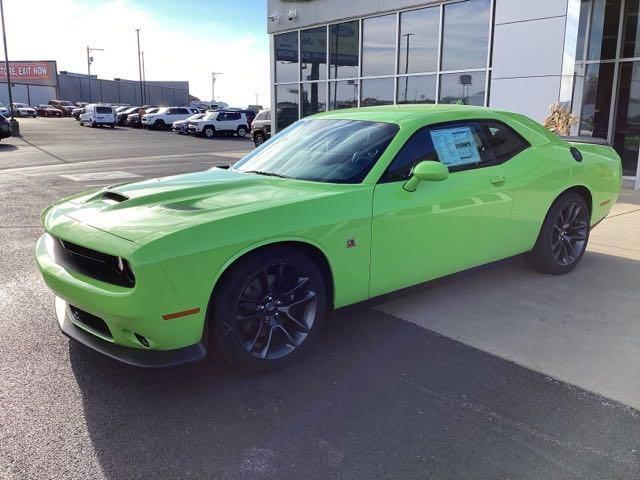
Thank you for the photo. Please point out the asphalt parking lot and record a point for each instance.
(496, 373)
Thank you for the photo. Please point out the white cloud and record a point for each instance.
(61, 30)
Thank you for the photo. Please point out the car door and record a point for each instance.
(223, 122)
(444, 226)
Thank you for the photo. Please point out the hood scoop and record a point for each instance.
(114, 197)
(181, 206)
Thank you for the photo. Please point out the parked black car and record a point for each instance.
(261, 127)
(122, 115)
(5, 128)
(133, 119)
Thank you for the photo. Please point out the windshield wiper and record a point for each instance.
(267, 174)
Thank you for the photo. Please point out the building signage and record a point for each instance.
(32, 73)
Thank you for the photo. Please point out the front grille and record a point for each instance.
(92, 263)
(90, 321)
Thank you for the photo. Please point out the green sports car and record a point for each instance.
(338, 208)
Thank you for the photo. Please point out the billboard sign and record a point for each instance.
(32, 73)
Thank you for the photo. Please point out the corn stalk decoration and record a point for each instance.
(560, 120)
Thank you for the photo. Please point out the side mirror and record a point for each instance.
(424, 171)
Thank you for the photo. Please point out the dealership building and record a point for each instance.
(517, 55)
(36, 82)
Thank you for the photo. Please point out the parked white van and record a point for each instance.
(98, 115)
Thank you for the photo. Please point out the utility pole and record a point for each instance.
(140, 67)
(89, 62)
(15, 126)
(144, 78)
(213, 85)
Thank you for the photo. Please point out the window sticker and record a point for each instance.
(455, 146)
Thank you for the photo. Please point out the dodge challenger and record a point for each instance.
(340, 207)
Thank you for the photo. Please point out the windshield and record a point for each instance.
(196, 116)
(210, 116)
(333, 151)
(66, 103)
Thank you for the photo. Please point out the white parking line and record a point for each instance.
(83, 177)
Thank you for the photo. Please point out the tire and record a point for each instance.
(159, 125)
(94, 124)
(258, 139)
(113, 125)
(209, 132)
(242, 131)
(564, 235)
(268, 337)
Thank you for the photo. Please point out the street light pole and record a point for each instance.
(89, 62)
(213, 85)
(406, 65)
(140, 67)
(15, 126)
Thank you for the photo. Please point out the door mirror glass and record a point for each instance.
(425, 171)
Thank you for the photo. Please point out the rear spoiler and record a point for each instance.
(591, 140)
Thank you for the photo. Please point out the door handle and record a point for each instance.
(497, 180)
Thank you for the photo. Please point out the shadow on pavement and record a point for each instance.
(375, 397)
(7, 147)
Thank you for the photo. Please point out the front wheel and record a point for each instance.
(209, 132)
(268, 308)
(564, 235)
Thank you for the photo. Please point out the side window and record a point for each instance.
(222, 117)
(268, 115)
(182, 111)
(418, 148)
(233, 116)
(459, 145)
(503, 141)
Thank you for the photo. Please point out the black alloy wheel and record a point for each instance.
(268, 308)
(564, 235)
(570, 233)
(258, 139)
(275, 311)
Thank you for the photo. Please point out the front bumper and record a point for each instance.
(131, 356)
(129, 314)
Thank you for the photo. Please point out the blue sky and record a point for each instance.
(182, 40)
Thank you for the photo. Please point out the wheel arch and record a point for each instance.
(581, 190)
(311, 249)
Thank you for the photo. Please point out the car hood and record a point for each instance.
(145, 210)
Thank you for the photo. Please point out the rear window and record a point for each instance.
(104, 110)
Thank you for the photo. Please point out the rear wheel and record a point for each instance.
(242, 131)
(268, 308)
(564, 235)
(258, 139)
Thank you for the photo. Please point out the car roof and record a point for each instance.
(427, 113)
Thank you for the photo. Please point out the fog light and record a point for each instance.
(142, 340)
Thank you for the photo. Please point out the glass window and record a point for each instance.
(631, 32)
(287, 105)
(582, 28)
(603, 36)
(627, 134)
(466, 35)
(597, 88)
(314, 98)
(334, 151)
(417, 89)
(502, 141)
(313, 43)
(343, 94)
(459, 145)
(286, 55)
(378, 45)
(343, 50)
(419, 30)
(463, 88)
(377, 91)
